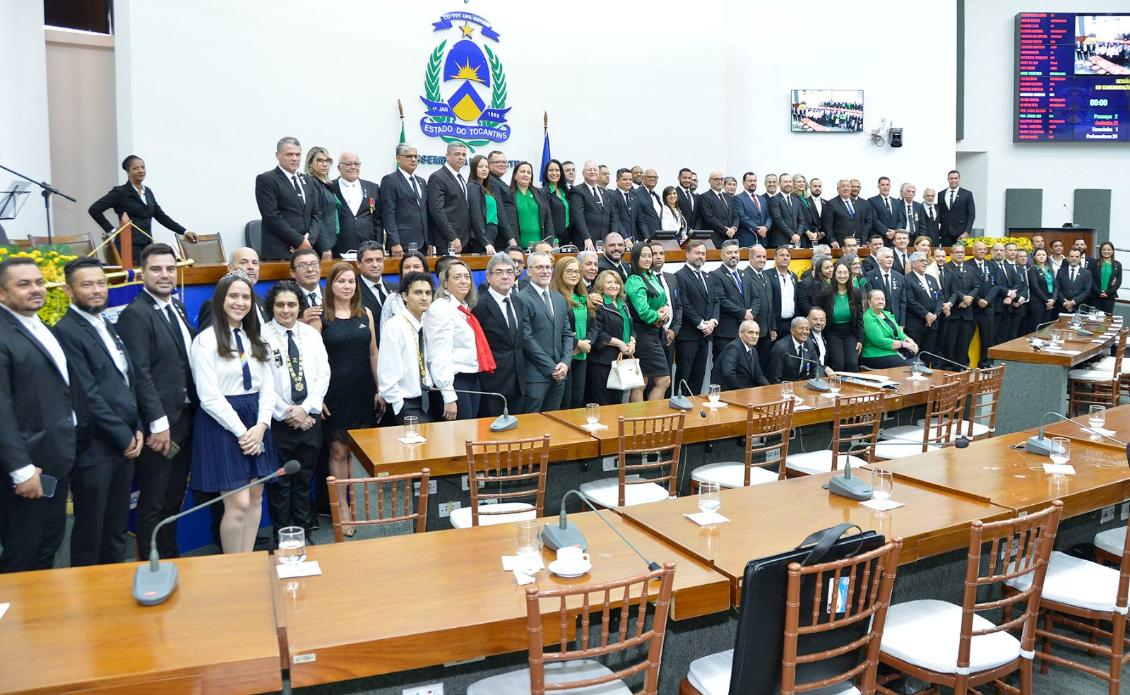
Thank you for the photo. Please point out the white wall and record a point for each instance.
(663, 85)
(24, 142)
(1058, 168)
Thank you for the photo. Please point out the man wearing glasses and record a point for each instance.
(403, 205)
(507, 209)
(359, 206)
(500, 315)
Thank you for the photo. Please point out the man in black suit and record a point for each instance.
(688, 199)
(374, 289)
(957, 210)
(158, 339)
(891, 282)
(110, 439)
(37, 422)
(625, 205)
(883, 212)
(700, 316)
(547, 339)
(716, 211)
(735, 296)
(784, 283)
(901, 251)
(762, 304)
(244, 258)
(359, 206)
(740, 368)
(449, 218)
(788, 213)
(783, 362)
(843, 217)
(870, 263)
(288, 204)
(501, 320)
(909, 214)
(815, 210)
(931, 222)
(404, 204)
(648, 206)
(1016, 302)
(964, 286)
(613, 256)
(985, 307)
(507, 208)
(923, 304)
(589, 209)
(1074, 282)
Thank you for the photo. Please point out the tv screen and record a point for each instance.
(1072, 77)
(827, 111)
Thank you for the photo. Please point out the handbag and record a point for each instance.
(625, 374)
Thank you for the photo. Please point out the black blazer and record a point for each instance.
(739, 368)
(763, 297)
(787, 220)
(505, 344)
(449, 216)
(961, 283)
(110, 398)
(775, 282)
(692, 215)
(591, 220)
(124, 198)
(603, 263)
(365, 225)
(733, 301)
(647, 220)
(812, 221)
(920, 302)
(915, 224)
(609, 325)
(676, 302)
(883, 221)
(403, 214)
(626, 212)
(931, 226)
(159, 357)
(507, 210)
(698, 304)
(716, 214)
(486, 233)
(783, 366)
(1096, 279)
(989, 284)
(286, 218)
(826, 300)
(557, 209)
(35, 404)
(839, 224)
(1038, 289)
(808, 293)
(590, 329)
(959, 220)
(1078, 291)
(896, 297)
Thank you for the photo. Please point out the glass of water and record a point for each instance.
(709, 497)
(592, 414)
(529, 538)
(882, 483)
(834, 385)
(715, 393)
(1057, 337)
(1096, 418)
(292, 545)
(1061, 450)
(411, 427)
(413, 247)
(786, 390)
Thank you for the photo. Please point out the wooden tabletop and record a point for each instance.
(1020, 350)
(775, 517)
(445, 452)
(79, 629)
(1117, 419)
(403, 602)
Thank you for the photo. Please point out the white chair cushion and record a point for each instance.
(889, 451)
(926, 633)
(915, 431)
(732, 474)
(518, 682)
(815, 462)
(1111, 540)
(710, 675)
(1098, 374)
(495, 514)
(1075, 582)
(606, 493)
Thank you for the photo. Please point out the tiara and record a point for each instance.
(239, 273)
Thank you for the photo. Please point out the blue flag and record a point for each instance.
(545, 156)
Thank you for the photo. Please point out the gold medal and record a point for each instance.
(297, 386)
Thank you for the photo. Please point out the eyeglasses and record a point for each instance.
(307, 266)
(503, 271)
(410, 156)
(351, 164)
(322, 160)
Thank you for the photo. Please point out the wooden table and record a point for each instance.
(445, 452)
(403, 602)
(775, 517)
(1117, 419)
(80, 629)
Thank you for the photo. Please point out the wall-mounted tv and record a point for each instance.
(827, 111)
(1072, 77)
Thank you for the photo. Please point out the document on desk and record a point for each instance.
(4, 609)
(1059, 469)
(881, 505)
(707, 518)
(301, 569)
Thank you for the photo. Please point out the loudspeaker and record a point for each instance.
(896, 137)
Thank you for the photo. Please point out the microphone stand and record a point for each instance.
(1041, 445)
(503, 422)
(947, 360)
(565, 534)
(47, 190)
(817, 382)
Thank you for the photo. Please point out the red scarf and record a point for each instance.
(482, 349)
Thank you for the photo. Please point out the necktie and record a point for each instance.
(313, 297)
(423, 371)
(596, 196)
(930, 212)
(297, 188)
(702, 279)
(756, 202)
(953, 194)
(119, 357)
(243, 362)
(415, 187)
(789, 202)
(548, 303)
(887, 282)
(627, 200)
(850, 207)
(690, 198)
(720, 198)
(380, 292)
(887, 202)
(511, 319)
(737, 281)
(174, 322)
(462, 184)
(1072, 273)
(910, 220)
(294, 365)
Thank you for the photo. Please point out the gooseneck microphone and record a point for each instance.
(1045, 447)
(154, 582)
(681, 402)
(564, 534)
(817, 382)
(962, 367)
(503, 422)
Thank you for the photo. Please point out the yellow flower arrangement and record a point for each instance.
(1022, 243)
(50, 260)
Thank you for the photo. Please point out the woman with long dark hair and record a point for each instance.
(1043, 292)
(670, 216)
(569, 283)
(531, 208)
(648, 304)
(1106, 278)
(553, 183)
(843, 305)
(134, 202)
(482, 206)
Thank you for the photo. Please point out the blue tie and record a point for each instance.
(738, 281)
(243, 361)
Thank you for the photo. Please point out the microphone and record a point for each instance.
(681, 402)
(1070, 215)
(503, 422)
(564, 534)
(846, 485)
(155, 582)
(947, 360)
(816, 383)
(1045, 447)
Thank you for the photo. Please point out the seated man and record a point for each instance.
(795, 358)
(739, 367)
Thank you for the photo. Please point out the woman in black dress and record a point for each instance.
(134, 202)
(351, 345)
(615, 336)
(318, 162)
(648, 304)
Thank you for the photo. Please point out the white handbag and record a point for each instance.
(625, 374)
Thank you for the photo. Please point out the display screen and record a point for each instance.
(1072, 77)
(827, 111)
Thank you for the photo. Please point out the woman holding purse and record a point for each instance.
(648, 304)
(615, 338)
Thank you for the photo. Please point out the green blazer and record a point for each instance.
(879, 336)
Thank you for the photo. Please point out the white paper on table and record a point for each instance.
(707, 518)
(301, 569)
(4, 608)
(526, 564)
(522, 579)
(802, 407)
(1100, 430)
(418, 439)
(595, 427)
(1062, 351)
(719, 404)
(1099, 340)
(881, 505)
(1059, 469)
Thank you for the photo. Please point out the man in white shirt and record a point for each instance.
(819, 320)
(403, 379)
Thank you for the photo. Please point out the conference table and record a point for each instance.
(1039, 375)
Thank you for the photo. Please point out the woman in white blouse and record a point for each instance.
(231, 439)
(456, 346)
(670, 217)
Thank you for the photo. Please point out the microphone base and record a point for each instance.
(853, 488)
(818, 385)
(554, 537)
(504, 422)
(152, 588)
(680, 403)
(1042, 446)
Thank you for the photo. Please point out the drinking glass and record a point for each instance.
(715, 393)
(786, 389)
(709, 497)
(1061, 450)
(292, 545)
(1096, 417)
(413, 247)
(1057, 337)
(592, 413)
(529, 538)
(834, 385)
(882, 483)
(411, 427)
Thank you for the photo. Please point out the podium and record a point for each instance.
(1064, 234)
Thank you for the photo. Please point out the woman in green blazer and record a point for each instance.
(882, 336)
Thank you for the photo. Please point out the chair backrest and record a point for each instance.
(80, 244)
(1119, 351)
(1017, 547)
(856, 427)
(869, 579)
(373, 501)
(652, 434)
(945, 408)
(209, 248)
(253, 235)
(507, 471)
(769, 423)
(984, 398)
(613, 600)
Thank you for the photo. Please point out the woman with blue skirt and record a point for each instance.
(231, 438)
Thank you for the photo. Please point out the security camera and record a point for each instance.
(896, 137)
(879, 135)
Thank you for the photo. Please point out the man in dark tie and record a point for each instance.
(700, 316)
(589, 211)
(287, 202)
(404, 206)
(613, 256)
(752, 210)
(715, 212)
(923, 304)
(842, 216)
(735, 298)
(507, 209)
(739, 366)
(306, 270)
(111, 438)
(901, 252)
(374, 290)
(761, 299)
(1016, 302)
(625, 204)
(815, 209)
(688, 200)
(883, 212)
(501, 321)
(37, 423)
(931, 225)
(909, 214)
(449, 218)
(890, 281)
(648, 206)
(784, 364)
(964, 288)
(1074, 282)
(547, 339)
(358, 208)
(957, 210)
(985, 308)
(669, 284)
(786, 212)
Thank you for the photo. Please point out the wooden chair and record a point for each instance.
(873, 573)
(384, 500)
(208, 249)
(855, 429)
(640, 436)
(767, 428)
(80, 244)
(623, 602)
(956, 647)
(945, 406)
(983, 401)
(498, 474)
(1099, 385)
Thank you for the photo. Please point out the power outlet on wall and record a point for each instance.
(431, 689)
(609, 463)
(1107, 514)
(445, 508)
(431, 488)
(1124, 511)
